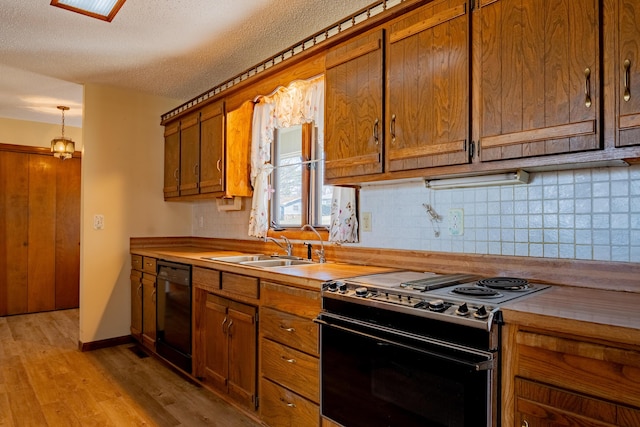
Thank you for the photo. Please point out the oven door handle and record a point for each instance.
(484, 365)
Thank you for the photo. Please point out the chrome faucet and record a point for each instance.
(287, 246)
(320, 252)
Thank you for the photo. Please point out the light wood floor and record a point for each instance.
(46, 381)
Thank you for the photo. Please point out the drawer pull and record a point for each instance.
(525, 423)
(286, 359)
(284, 328)
(627, 92)
(587, 87)
(289, 404)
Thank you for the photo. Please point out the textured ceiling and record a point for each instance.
(171, 48)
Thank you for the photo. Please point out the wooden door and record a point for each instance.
(628, 73)
(539, 76)
(67, 225)
(14, 232)
(354, 121)
(242, 335)
(428, 87)
(189, 154)
(149, 311)
(216, 370)
(212, 164)
(172, 160)
(42, 233)
(136, 304)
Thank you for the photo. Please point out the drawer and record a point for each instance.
(205, 278)
(136, 262)
(149, 265)
(291, 368)
(294, 331)
(240, 285)
(586, 367)
(282, 407)
(301, 302)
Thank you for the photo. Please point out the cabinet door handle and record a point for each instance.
(153, 294)
(195, 169)
(392, 128)
(525, 423)
(284, 328)
(286, 359)
(587, 87)
(140, 290)
(229, 327)
(375, 131)
(289, 404)
(218, 165)
(627, 71)
(223, 323)
(175, 174)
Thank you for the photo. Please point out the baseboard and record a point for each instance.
(110, 342)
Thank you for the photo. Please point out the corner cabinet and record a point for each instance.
(207, 153)
(568, 380)
(538, 70)
(425, 119)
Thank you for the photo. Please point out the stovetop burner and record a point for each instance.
(476, 291)
(504, 283)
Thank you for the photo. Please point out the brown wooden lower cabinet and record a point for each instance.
(283, 408)
(39, 232)
(149, 298)
(136, 304)
(230, 353)
(553, 380)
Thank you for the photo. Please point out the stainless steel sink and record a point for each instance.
(238, 258)
(277, 262)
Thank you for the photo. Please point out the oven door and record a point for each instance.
(375, 376)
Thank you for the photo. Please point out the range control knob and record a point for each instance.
(332, 286)
(481, 313)
(362, 291)
(463, 310)
(436, 305)
(342, 287)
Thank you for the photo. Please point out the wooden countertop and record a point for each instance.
(601, 314)
(308, 276)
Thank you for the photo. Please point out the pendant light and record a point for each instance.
(62, 147)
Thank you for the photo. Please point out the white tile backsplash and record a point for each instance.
(587, 214)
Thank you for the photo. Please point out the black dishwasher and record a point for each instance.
(173, 315)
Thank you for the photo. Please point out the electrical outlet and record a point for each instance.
(98, 222)
(456, 222)
(366, 221)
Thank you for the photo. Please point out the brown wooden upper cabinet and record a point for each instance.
(425, 121)
(628, 73)
(428, 87)
(207, 153)
(539, 76)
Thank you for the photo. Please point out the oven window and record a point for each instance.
(368, 382)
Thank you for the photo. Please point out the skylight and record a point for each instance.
(100, 9)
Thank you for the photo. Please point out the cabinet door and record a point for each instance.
(189, 154)
(216, 369)
(14, 232)
(136, 305)
(172, 160)
(149, 311)
(428, 87)
(353, 107)
(539, 76)
(212, 167)
(242, 333)
(236, 172)
(628, 73)
(42, 233)
(67, 234)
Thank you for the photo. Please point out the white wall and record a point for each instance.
(122, 176)
(34, 134)
(589, 214)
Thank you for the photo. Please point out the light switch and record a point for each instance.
(98, 222)
(366, 221)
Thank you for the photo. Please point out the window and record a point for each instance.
(299, 196)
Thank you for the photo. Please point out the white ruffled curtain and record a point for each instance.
(300, 102)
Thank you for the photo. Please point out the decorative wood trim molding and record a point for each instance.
(110, 342)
